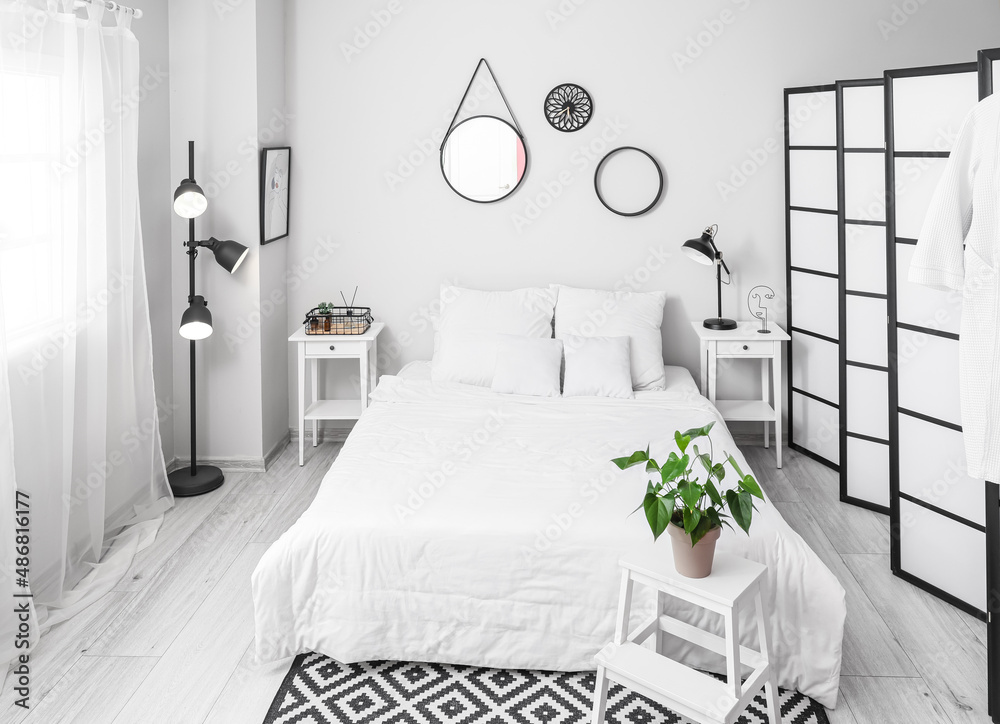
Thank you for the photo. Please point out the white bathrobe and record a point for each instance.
(965, 211)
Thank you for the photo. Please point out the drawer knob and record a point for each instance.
(745, 348)
(332, 348)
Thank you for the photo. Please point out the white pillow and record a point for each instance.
(466, 341)
(527, 366)
(597, 367)
(636, 315)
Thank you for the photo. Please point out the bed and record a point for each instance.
(463, 526)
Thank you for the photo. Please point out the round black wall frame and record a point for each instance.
(597, 182)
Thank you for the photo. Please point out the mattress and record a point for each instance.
(462, 526)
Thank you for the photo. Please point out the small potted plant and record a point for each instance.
(326, 310)
(693, 510)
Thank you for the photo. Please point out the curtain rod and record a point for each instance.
(112, 6)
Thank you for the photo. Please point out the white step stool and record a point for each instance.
(702, 698)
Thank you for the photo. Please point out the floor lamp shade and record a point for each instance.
(189, 200)
(704, 251)
(230, 254)
(196, 322)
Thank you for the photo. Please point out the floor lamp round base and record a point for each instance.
(717, 323)
(184, 484)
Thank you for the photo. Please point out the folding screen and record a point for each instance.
(812, 247)
(989, 66)
(937, 511)
(864, 371)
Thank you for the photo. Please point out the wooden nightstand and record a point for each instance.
(745, 342)
(315, 347)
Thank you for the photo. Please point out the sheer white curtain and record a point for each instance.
(86, 442)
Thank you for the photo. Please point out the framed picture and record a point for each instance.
(275, 168)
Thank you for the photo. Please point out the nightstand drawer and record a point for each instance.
(751, 349)
(335, 348)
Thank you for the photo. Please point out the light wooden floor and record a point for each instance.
(174, 641)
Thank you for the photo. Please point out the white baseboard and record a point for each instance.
(226, 465)
(754, 438)
(330, 434)
(275, 451)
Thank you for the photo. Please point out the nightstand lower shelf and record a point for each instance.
(745, 410)
(334, 410)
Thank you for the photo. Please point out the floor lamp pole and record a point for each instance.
(195, 479)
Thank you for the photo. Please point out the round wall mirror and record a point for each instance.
(628, 181)
(483, 159)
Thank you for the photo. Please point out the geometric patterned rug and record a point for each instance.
(318, 690)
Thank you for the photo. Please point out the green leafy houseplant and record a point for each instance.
(680, 497)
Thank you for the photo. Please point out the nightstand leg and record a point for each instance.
(776, 371)
(661, 608)
(315, 394)
(704, 369)
(733, 669)
(765, 383)
(373, 365)
(364, 380)
(302, 402)
(600, 696)
(713, 369)
(770, 687)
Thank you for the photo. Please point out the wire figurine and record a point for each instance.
(758, 294)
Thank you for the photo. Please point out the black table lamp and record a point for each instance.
(196, 322)
(704, 251)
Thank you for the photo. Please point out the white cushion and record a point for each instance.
(636, 315)
(597, 367)
(466, 341)
(527, 366)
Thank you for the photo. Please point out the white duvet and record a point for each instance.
(462, 526)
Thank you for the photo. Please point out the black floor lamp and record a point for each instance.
(704, 251)
(196, 322)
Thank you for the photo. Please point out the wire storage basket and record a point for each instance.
(338, 320)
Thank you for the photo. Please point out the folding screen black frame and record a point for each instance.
(986, 60)
(896, 495)
(792, 390)
(843, 221)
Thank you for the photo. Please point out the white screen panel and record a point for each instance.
(814, 241)
(944, 553)
(867, 330)
(864, 186)
(864, 113)
(816, 427)
(812, 119)
(865, 258)
(868, 402)
(928, 375)
(929, 110)
(868, 471)
(814, 304)
(920, 305)
(816, 367)
(812, 179)
(932, 467)
(916, 181)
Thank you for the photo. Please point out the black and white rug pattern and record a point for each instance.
(318, 690)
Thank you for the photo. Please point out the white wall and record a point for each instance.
(155, 193)
(359, 118)
(272, 311)
(214, 103)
